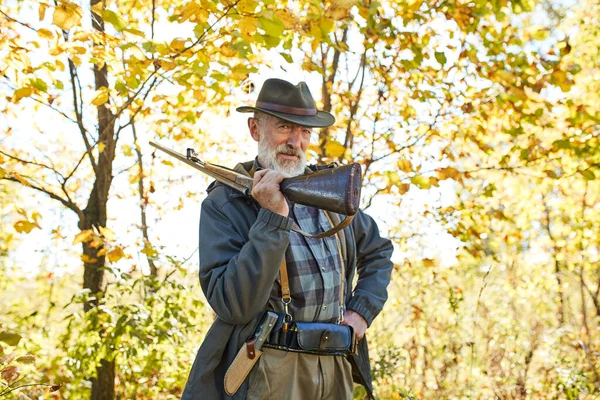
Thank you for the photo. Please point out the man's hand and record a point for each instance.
(265, 190)
(357, 322)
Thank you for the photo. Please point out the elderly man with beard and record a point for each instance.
(244, 241)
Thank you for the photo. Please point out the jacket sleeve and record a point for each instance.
(374, 268)
(236, 274)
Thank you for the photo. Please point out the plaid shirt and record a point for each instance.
(313, 268)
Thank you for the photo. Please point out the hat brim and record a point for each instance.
(321, 120)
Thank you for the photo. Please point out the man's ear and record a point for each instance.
(253, 127)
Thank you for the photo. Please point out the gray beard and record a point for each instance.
(268, 158)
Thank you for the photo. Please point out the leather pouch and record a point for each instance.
(324, 338)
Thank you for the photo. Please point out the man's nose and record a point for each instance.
(294, 137)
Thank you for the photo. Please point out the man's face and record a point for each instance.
(282, 145)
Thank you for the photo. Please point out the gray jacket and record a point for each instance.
(241, 249)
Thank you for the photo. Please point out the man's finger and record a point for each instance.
(258, 175)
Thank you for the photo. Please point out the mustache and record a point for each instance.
(288, 150)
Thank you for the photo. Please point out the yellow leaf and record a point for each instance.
(177, 44)
(334, 149)
(107, 233)
(448, 173)
(56, 50)
(167, 65)
(42, 10)
(327, 25)
(60, 65)
(66, 15)
(22, 92)
(79, 49)
(97, 8)
(149, 251)
(405, 165)
(403, 188)
(247, 6)
(24, 226)
(288, 19)
(167, 162)
(96, 242)
(340, 9)
(101, 147)
(45, 33)
(22, 180)
(422, 129)
(102, 252)
(87, 259)
(101, 97)
(36, 216)
(427, 262)
(83, 236)
(115, 254)
(248, 25)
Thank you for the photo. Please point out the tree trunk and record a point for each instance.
(103, 387)
(95, 215)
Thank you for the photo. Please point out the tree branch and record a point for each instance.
(66, 202)
(32, 163)
(143, 199)
(77, 104)
(18, 22)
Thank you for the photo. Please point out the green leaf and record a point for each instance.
(273, 28)
(561, 144)
(588, 175)
(26, 359)
(421, 181)
(39, 84)
(113, 18)
(540, 34)
(287, 57)
(440, 57)
(10, 338)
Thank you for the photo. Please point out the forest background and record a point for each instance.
(477, 126)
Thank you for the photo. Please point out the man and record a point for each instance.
(243, 243)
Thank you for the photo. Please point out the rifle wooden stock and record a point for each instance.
(331, 189)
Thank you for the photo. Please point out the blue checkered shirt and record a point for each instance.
(313, 269)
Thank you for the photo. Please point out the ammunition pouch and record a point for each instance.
(314, 338)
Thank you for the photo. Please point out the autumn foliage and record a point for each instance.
(477, 125)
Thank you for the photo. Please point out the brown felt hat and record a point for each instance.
(291, 103)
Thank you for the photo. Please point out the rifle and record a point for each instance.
(332, 189)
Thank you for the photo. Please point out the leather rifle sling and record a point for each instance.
(335, 229)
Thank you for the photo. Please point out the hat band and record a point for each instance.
(286, 109)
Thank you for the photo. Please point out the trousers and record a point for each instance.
(287, 375)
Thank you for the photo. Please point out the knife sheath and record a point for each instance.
(240, 368)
